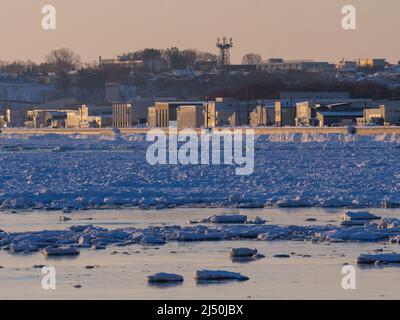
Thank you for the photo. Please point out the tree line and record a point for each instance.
(64, 60)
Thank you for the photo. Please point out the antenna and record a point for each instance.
(224, 46)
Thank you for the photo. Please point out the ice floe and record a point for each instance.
(97, 238)
(218, 275)
(60, 252)
(233, 218)
(382, 258)
(242, 252)
(164, 278)
(355, 216)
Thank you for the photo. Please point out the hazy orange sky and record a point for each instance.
(304, 29)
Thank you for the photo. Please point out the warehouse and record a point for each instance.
(164, 114)
(387, 113)
(121, 114)
(190, 117)
(337, 118)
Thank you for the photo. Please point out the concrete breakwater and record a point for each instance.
(363, 131)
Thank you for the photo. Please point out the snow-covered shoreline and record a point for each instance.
(293, 170)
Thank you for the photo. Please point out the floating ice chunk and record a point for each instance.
(149, 240)
(164, 278)
(350, 223)
(373, 258)
(395, 239)
(282, 255)
(99, 247)
(256, 220)
(194, 236)
(355, 234)
(242, 252)
(229, 219)
(61, 252)
(389, 223)
(84, 241)
(218, 275)
(350, 215)
(235, 218)
(23, 248)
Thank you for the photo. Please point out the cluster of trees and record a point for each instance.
(172, 58)
(59, 61)
(64, 60)
(251, 58)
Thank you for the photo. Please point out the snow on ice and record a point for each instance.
(83, 172)
(164, 278)
(96, 238)
(382, 258)
(242, 252)
(218, 275)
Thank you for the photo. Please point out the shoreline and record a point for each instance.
(259, 131)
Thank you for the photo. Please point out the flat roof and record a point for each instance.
(341, 113)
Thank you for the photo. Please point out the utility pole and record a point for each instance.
(247, 107)
(207, 114)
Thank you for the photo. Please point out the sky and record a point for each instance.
(291, 29)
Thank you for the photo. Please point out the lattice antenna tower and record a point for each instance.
(224, 47)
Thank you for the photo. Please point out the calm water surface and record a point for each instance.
(121, 271)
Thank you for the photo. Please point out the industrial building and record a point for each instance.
(371, 63)
(5, 119)
(273, 115)
(261, 117)
(122, 114)
(309, 113)
(164, 113)
(387, 113)
(280, 65)
(315, 96)
(347, 65)
(59, 118)
(220, 112)
(337, 118)
(224, 112)
(190, 117)
(104, 112)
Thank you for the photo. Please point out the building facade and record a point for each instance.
(190, 117)
(121, 114)
(385, 114)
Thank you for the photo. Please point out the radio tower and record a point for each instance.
(224, 46)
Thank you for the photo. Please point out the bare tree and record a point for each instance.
(251, 58)
(62, 60)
